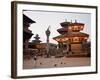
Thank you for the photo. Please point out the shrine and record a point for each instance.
(71, 40)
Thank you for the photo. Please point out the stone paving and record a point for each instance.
(42, 62)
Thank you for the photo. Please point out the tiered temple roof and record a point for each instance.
(70, 31)
(26, 23)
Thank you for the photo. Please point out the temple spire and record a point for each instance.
(36, 39)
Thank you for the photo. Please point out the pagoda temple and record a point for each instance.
(27, 34)
(71, 39)
(35, 42)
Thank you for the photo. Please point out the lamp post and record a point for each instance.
(48, 34)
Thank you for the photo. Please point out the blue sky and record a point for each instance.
(44, 19)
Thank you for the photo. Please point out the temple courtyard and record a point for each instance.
(51, 62)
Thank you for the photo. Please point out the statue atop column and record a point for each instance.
(48, 34)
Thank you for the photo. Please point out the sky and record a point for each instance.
(44, 19)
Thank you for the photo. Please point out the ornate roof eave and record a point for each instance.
(76, 24)
(27, 19)
(79, 34)
(27, 35)
(65, 24)
(62, 30)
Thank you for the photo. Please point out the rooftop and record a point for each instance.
(27, 19)
(72, 34)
